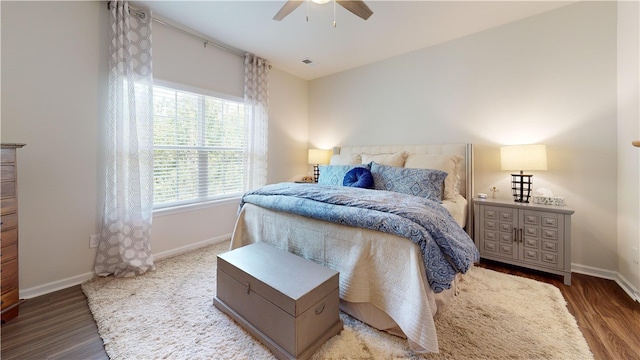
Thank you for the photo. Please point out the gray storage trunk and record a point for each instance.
(289, 303)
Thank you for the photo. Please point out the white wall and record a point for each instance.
(629, 156)
(54, 61)
(288, 127)
(547, 79)
(54, 90)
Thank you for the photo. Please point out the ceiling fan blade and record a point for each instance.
(357, 7)
(287, 8)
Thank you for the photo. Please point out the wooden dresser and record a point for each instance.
(9, 227)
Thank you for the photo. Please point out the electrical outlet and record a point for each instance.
(93, 241)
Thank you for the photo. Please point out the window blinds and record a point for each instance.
(199, 147)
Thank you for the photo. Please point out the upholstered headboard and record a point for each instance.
(465, 169)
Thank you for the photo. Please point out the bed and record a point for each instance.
(394, 275)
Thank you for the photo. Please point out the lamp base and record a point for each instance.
(316, 173)
(521, 187)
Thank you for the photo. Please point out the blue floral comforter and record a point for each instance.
(446, 247)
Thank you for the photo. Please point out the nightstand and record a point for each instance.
(528, 235)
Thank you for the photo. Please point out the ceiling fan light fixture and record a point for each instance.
(356, 7)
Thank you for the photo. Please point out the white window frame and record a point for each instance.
(222, 200)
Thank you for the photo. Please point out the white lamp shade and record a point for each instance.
(319, 156)
(523, 157)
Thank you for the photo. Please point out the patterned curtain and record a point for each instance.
(124, 246)
(256, 72)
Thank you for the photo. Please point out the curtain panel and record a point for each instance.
(256, 94)
(124, 246)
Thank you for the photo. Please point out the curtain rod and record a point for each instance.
(142, 14)
(204, 40)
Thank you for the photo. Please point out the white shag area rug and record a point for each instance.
(168, 314)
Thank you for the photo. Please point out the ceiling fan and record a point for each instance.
(357, 7)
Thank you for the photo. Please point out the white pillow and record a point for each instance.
(346, 159)
(447, 163)
(395, 159)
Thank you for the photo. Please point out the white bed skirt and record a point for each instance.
(382, 277)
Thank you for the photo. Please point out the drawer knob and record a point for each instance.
(248, 288)
(320, 309)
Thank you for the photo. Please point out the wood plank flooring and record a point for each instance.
(53, 326)
(60, 326)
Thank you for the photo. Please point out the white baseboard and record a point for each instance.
(44, 289)
(186, 248)
(610, 275)
(593, 271)
(628, 288)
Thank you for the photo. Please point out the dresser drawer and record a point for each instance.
(9, 298)
(8, 221)
(7, 189)
(9, 282)
(9, 268)
(9, 237)
(8, 205)
(8, 155)
(7, 172)
(9, 252)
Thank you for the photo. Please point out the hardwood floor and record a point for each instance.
(60, 326)
(53, 326)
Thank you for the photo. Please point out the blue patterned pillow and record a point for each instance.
(334, 174)
(428, 183)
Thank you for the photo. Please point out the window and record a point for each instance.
(200, 147)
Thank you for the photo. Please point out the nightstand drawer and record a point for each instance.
(549, 221)
(490, 225)
(550, 234)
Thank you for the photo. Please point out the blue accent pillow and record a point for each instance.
(358, 177)
(428, 183)
(334, 174)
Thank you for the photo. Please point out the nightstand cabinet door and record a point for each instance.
(528, 235)
(540, 236)
(498, 232)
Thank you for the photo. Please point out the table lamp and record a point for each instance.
(318, 157)
(523, 157)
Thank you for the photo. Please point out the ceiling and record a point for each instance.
(396, 27)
